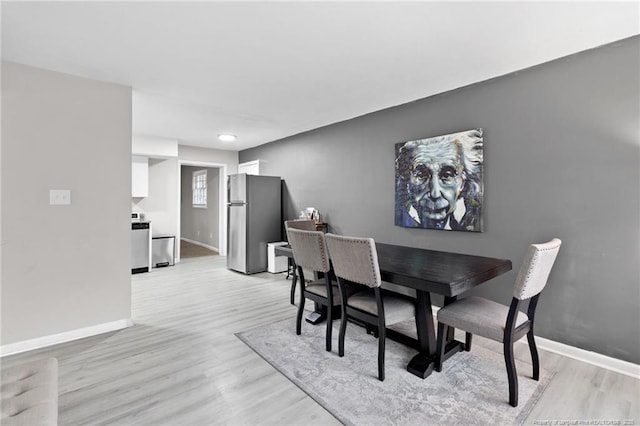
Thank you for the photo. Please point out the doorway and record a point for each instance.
(201, 213)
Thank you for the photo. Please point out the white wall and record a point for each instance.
(64, 268)
(159, 206)
(152, 146)
(196, 154)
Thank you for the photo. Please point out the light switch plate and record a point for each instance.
(59, 197)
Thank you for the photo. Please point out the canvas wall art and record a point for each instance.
(439, 182)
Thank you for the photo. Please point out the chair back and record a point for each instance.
(304, 224)
(309, 249)
(355, 259)
(535, 269)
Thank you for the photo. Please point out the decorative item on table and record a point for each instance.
(312, 214)
(439, 182)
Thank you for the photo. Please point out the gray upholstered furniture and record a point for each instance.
(498, 322)
(310, 252)
(30, 394)
(355, 262)
(306, 225)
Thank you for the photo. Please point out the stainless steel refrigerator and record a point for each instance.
(254, 220)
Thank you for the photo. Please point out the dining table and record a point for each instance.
(428, 272)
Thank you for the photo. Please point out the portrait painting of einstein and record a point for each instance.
(439, 182)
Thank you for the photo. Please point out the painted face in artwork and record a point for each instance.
(436, 180)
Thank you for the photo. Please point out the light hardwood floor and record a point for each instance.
(188, 250)
(181, 364)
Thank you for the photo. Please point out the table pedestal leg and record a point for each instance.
(421, 365)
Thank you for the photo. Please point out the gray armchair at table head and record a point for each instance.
(495, 321)
(305, 225)
(355, 262)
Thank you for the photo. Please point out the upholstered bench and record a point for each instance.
(30, 394)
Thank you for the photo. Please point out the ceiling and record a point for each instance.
(267, 70)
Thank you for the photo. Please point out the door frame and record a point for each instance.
(222, 202)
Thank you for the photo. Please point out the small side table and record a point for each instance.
(322, 226)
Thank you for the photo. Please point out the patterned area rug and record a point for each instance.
(471, 390)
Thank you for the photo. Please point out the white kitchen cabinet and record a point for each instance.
(139, 176)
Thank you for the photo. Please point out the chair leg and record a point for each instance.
(300, 312)
(329, 325)
(467, 341)
(381, 348)
(511, 372)
(442, 331)
(534, 355)
(294, 281)
(343, 330)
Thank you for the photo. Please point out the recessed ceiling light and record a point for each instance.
(227, 137)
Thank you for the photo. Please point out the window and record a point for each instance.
(199, 189)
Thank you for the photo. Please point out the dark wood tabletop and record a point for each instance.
(439, 272)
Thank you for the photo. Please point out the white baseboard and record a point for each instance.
(67, 336)
(599, 360)
(198, 243)
(594, 358)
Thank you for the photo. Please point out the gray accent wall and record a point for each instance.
(562, 159)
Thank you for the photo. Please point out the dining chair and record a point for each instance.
(355, 263)
(498, 322)
(306, 225)
(310, 252)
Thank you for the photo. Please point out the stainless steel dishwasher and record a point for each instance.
(140, 247)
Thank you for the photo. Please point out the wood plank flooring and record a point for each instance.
(181, 364)
(188, 250)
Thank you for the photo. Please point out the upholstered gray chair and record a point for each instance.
(495, 321)
(306, 225)
(355, 263)
(310, 252)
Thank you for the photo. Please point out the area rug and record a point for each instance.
(472, 388)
